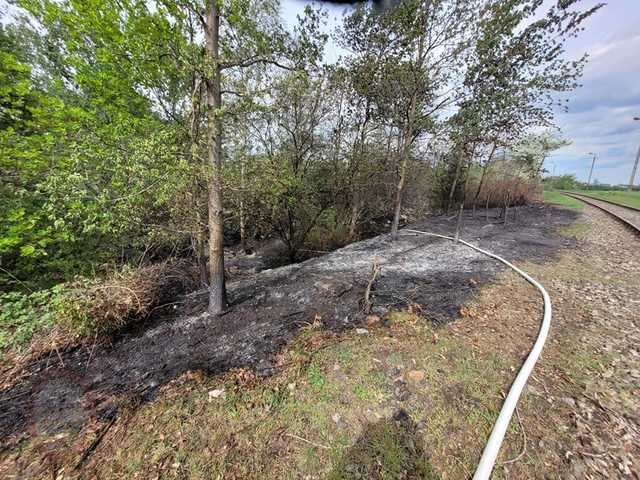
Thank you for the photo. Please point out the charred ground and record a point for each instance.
(267, 309)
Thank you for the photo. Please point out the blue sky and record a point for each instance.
(600, 117)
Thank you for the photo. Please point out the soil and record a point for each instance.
(267, 310)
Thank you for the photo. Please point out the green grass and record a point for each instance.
(560, 199)
(632, 199)
(577, 229)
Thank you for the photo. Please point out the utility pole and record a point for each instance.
(635, 166)
(593, 162)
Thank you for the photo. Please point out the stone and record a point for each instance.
(217, 393)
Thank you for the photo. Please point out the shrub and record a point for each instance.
(61, 316)
(103, 306)
(518, 191)
(22, 315)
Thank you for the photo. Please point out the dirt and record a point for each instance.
(267, 310)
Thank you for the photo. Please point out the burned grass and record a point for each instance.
(398, 365)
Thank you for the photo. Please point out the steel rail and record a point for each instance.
(582, 198)
(492, 447)
(629, 207)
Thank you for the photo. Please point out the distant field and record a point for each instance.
(631, 199)
(560, 199)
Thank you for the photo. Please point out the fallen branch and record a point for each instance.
(95, 443)
(375, 273)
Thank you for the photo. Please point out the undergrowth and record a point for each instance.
(23, 315)
(90, 307)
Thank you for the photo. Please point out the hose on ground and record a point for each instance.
(491, 449)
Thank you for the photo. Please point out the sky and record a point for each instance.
(601, 111)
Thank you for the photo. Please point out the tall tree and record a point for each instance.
(217, 289)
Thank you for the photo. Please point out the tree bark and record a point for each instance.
(217, 290)
(454, 185)
(406, 148)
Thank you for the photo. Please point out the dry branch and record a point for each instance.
(375, 273)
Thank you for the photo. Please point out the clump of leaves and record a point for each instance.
(22, 315)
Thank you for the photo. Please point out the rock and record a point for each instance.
(336, 417)
(415, 375)
(372, 320)
(362, 331)
(217, 393)
(570, 402)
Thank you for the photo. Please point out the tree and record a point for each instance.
(405, 58)
(513, 74)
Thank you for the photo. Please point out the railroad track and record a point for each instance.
(630, 216)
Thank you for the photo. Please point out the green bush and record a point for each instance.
(22, 315)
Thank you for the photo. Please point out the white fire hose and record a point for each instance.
(491, 449)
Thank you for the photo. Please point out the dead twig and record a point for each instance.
(593, 455)
(306, 441)
(95, 340)
(524, 441)
(375, 273)
(55, 347)
(95, 443)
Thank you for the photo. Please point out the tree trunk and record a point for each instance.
(401, 182)
(406, 146)
(464, 199)
(355, 215)
(506, 207)
(486, 209)
(454, 185)
(217, 290)
(482, 177)
(243, 227)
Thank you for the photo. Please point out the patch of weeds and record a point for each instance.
(344, 355)
(310, 460)
(560, 199)
(396, 358)
(362, 392)
(24, 315)
(272, 398)
(479, 420)
(232, 403)
(577, 229)
(316, 377)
